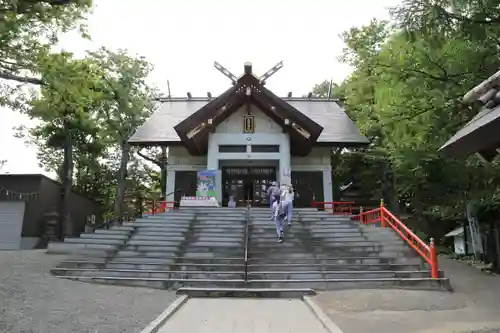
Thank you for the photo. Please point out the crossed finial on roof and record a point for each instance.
(248, 70)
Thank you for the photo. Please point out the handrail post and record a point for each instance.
(153, 208)
(382, 218)
(247, 222)
(361, 216)
(434, 260)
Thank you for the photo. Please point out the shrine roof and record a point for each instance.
(339, 129)
(480, 134)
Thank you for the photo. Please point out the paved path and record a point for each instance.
(227, 315)
(473, 307)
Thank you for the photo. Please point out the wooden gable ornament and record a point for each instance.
(248, 124)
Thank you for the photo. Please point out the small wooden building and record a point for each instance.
(24, 202)
(460, 247)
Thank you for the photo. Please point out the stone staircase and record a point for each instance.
(205, 248)
(183, 248)
(325, 252)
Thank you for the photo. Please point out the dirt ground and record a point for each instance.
(474, 306)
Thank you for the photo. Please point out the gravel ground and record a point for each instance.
(473, 307)
(32, 301)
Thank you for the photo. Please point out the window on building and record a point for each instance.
(265, 148)
(232, 149)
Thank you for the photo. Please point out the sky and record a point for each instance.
(183, 38)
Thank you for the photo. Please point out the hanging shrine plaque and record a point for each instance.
(248, 124)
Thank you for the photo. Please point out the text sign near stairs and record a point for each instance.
(199, 202)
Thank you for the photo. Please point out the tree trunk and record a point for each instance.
(163, 172)
(477, 244)
(64, 218)
(334, 163)
(122, 175)
(389, 192)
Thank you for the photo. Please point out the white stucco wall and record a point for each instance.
(267, 132)
(234, 123)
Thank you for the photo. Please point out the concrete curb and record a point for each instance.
(156, 324)
(245, 292)
(328, 324)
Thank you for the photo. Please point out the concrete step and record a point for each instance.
(218, 232)
(333, 267)
(219, 239)
(302, 229)
(164, 253)
(327, 217)
(159, 274)
(339, 251)
(239, 243)
(152, 248)
(170, 215)
(257, 242)
(154, 243)
(340, 284)
(226, 218)
(157, 225)
(150, 227)
(329, 260)
(176, 266)
(214, 254)
(114, 231)
(63, 247)
(308, 275)
(297, 246)
(271, 235)
(173, 260)
(90, 264)
(195, 229)
(161, 233)
(304, 234)
(109, 241)
(215, 226)
(215, 251)
(156, 237)
(91, 235)
(161, 283)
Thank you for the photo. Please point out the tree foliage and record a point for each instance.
(409, 76)
(98, 101)
(28, 28)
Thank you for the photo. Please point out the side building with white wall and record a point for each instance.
(251, 137)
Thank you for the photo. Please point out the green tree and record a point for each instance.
(405, 95)
(28, 28)
(64, 109)
(129, 103)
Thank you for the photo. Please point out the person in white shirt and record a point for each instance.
(231, 203)
(289, 196)
(279, 212)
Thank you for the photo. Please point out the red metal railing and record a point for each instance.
(386, 218)
(335, 207)
(159, 206)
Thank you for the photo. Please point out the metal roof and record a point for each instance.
(476, 135)
(479, 135)
(456, 232)
(338, 127)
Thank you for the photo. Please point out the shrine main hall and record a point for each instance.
(251, 137)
